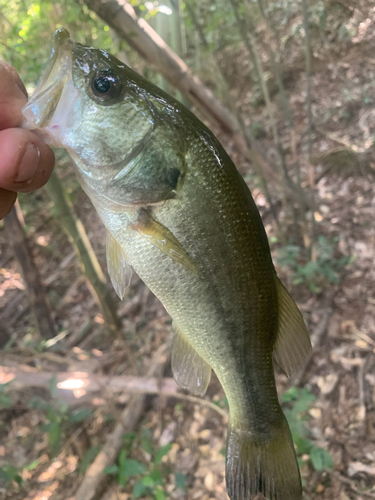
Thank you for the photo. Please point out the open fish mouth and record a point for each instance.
(41, 107)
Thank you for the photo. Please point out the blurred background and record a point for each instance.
(88, 409)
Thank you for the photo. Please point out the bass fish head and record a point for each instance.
(104, 114)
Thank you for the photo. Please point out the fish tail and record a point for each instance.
(267, 466)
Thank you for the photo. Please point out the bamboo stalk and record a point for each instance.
(308, 76)
(36, 292)
(304, 201)
(251, 46)
(121, 16)
(309, 116)
(76, 233)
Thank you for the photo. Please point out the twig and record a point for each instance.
(341, 140)
(75, 434)
(53, 276)
(200, 401)
(361, 398)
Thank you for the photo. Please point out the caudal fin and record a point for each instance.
(262, 466)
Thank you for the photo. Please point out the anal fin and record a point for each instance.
(119, 269)
(189, 369)
(292, 346)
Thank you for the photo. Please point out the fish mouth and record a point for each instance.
(40, 108)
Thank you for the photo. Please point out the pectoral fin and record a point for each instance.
(119, 269)
(163, 238)
(292, 346)
(190, 371)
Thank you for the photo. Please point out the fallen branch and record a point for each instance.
(80, 383)
(75, 385)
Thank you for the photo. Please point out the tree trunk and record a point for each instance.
(36, 292)
(73, 227)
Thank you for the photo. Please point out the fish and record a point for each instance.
(179, 214)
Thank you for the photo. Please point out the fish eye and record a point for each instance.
(105, 85)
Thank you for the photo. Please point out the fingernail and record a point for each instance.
(29, 164)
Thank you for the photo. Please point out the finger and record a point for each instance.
(7, 200)
(14, 76)
(12, 97)
(25, 161)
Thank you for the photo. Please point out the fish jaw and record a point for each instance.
(51, 110)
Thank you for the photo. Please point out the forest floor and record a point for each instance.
(331, 404)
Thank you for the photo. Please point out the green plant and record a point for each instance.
(59, 417)
(148, 478)
(297, 403)
(257, 129)
(88, 458)
(325, 268)
(10, 474)
(5, 400)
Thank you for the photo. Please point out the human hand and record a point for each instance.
(25, 161)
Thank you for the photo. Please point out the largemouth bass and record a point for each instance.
(178, 212)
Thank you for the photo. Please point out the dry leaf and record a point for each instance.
(355, 467)
(328, 383)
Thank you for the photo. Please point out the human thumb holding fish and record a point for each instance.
(26, 162)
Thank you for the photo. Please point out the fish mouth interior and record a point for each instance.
(41, 106)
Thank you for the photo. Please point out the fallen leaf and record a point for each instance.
(328, 383)
(355, 467)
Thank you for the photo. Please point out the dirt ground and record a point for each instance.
(339, 310)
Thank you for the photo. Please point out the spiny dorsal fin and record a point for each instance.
(119, 269)
(292, 346)
(190, 371)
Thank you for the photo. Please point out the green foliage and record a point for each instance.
(5, 400)
(146, 479)
(298, 403)
(222, 403)
(59, 418)
(325, 269)
(321, 459)
(180, 480)
(10, 474)
(257, 129)
(26, 28)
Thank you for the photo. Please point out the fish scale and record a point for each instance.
(178, 212)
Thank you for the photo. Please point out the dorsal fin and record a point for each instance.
(292, 346)
(190, 371)
(119, 269)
